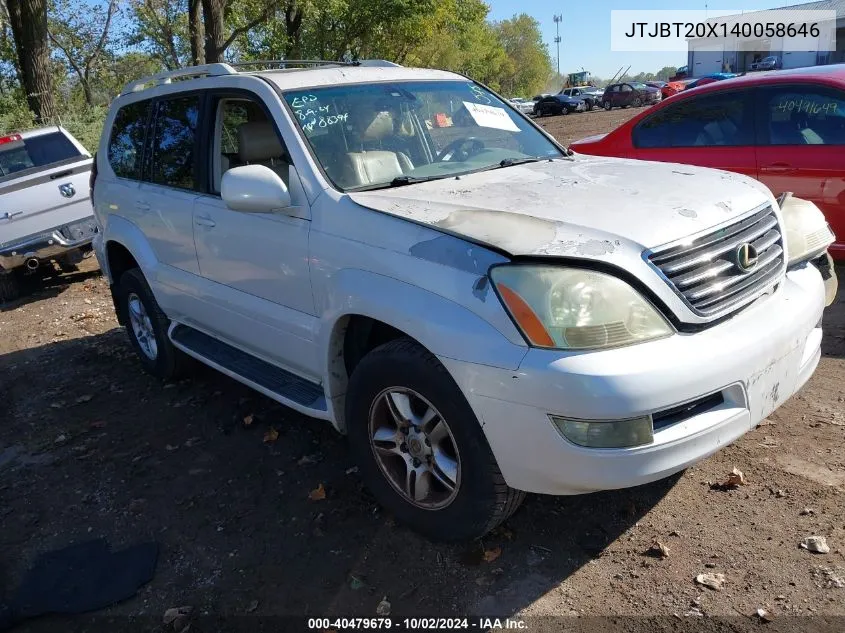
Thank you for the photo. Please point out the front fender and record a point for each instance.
(444, 327)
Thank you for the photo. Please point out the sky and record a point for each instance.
(585, 30)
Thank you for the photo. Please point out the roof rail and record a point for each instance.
(285, 63)
(166, 77)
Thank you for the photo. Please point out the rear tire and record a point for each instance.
(146, 326)
(10, 286)
(457, 491)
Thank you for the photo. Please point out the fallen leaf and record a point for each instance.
(178, 617)
(85, 398)
(252, 606)
(492, 554)
(711, 581)
(383, 608)
(764, 615)
(658, 550)
(99, 424)
(356, 583)
(735, 478)
(816, 544)
(248, 420)
(170, 447)
(352, 471)
(305, 460)
(271, 435)
(318, 494)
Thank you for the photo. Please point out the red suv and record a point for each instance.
(786, 128)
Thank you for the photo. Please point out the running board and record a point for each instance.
(272, 381)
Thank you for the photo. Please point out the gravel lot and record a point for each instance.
(90, 446)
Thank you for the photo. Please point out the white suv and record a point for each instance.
(402, 253)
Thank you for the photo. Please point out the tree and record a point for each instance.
(28, 19)
(215, 12)
(81, 34)
(160, 28)
(529, 64)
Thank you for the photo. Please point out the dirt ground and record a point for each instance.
(90, 446)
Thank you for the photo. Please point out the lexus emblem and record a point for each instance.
(746, 257)
(67, 190)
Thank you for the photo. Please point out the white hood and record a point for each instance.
(586, 206)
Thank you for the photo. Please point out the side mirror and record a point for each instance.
(254, 189)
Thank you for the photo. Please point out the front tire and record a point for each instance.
(638, 102)
(607, 106)
(420, 447)
(146, 326)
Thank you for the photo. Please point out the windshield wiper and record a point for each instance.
(510, 162)
(400, 181)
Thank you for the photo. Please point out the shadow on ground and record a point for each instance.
(35, 288)
(93, 447)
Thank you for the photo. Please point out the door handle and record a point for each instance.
(9, 214)
(779, 168)
(204, 220)
(142, 205)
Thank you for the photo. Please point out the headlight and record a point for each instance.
(571, 308)
(807, 233)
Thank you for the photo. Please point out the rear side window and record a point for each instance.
(721, 119)
(36, 151)
(805, 115)
(174, 143)
(127, 139)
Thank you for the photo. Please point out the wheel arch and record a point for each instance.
(368, 309)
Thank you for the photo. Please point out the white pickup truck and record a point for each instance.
(45, 204)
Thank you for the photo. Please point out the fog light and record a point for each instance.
(606, 433)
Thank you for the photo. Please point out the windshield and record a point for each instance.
(639, 86)
(383, 134)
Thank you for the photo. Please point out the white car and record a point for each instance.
(526, 106)
(482, 313)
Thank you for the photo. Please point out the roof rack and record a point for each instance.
(166, 77)
(285, 63)
(220, 69)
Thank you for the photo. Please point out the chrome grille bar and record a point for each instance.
(711, 273)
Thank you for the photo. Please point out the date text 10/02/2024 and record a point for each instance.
(416, 624)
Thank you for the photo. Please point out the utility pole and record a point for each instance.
(558, 19)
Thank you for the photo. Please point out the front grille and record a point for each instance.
(706, 272)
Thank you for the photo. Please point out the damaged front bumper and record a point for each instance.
(702, 392)
(825, 265)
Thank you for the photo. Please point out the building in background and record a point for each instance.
(739, 54)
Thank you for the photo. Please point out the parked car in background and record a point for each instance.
(589, 95)
(300, 231)
(674, 87)
(656, 84)
(681, 73)
(786, 128)
(630, 94)
(526, 106)
(709, 79)
(772, 62)
(558, 104)
(45, 204)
